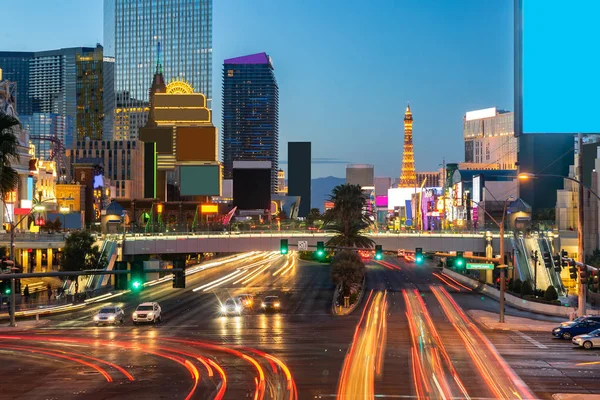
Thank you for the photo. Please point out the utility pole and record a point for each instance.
(535, 258)
(580, 248)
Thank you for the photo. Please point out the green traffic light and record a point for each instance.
(284, 251)
(378, 256)
(320, 253)
(7, 291)
(419, 259)
(136, 285)
(459, 263)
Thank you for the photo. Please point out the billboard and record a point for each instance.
(200, 180)
(556, 66)
(197, 143)
(252, 188)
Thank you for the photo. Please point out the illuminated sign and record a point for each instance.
(459, 194)
(479, 266)
(159, 208)
(477, 189)
(479, 114)
(209, 208)
(440, 204)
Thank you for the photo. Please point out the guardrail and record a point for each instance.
(33, 237)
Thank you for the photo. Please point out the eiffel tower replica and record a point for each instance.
(408, 177)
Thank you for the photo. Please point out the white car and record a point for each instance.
(232, 306)
(109, 315)
(589, 340)
(147, 312)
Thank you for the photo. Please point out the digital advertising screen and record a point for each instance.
(557, 66)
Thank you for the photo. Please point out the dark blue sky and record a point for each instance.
(346, 69)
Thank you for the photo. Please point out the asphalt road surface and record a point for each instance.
(410, 337)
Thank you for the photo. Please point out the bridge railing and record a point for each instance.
(33, 237)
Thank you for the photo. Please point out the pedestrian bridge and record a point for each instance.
(164, 243)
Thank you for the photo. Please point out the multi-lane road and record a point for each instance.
(411, 337)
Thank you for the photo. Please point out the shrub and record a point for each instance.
(526, 289)
(347, 269)
(517, 286)
(539, 293)
(551, 294)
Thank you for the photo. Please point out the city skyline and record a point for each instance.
(445, 60)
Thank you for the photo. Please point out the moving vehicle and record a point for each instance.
(271, 303)
(247, 300)
(147, 312)
(589, 340)
(582, 318)
(232, 306)
(109, 315)
(575, 328)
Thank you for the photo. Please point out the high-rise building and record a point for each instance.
(133, 30)
(53, 80)
(490, 140)
(122, 162)
(15, 68)
(89, 93)
(50, 134)
(250, 113)
(108, 97)
(431, 179)
(299, 174)
(407, 176)
(360, 174)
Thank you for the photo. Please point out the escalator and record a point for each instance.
(521, 260)
(532, 246)
(106, 261)
(555, 270)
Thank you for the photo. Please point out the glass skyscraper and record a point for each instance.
(89, 90)
(133, 30)
(250, 113)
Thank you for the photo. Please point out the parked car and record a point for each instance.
(109, 315)
(589, 340)
(575, 328)
(147, 312)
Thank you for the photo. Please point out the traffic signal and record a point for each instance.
(179, 276)
(460, 260)
(583, 274)
(547, 260)
(594, 280)
(320, 249)
(573, 270)
(564, 255)
(138, 277)
(419, 255)
(121, 280)
(378, 252)
(283, 246)
(5, 287)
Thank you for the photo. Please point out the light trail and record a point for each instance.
(457, 282)
(255, 274)
(446, 282)
(388, 265)
(364, 361)
(498, 376)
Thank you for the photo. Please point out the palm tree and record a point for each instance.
(348, 218)
(347, 269)
(9, 152)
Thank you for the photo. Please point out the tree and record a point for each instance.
(347, 269)
(313, 215)
(551, 294)
(348, 218)
(526, 289)
(80, 252)
(9, 153)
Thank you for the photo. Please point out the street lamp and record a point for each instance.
(580, 248)
(501, 264)
(64, 211)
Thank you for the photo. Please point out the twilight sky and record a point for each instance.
(345, 68)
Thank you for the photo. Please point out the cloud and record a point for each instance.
(322, 160)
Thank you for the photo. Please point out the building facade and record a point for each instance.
(299, 173)
(122, 162)
(489, 138)
(89, 94)
(431, 179)
(136, 34)
(250, 119)
(360, 174)
(50, 133)
(15, 68)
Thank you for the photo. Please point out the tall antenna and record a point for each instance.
(159, 68)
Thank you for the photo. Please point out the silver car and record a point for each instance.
(109, 315)
(589, 340)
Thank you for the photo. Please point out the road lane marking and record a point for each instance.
(531, 340)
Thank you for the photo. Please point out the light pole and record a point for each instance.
(580, 243)
(501, 264)
(64, 211)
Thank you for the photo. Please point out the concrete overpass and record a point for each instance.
(233, 243)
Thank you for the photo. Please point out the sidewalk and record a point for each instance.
(489, 320)
(22, 326)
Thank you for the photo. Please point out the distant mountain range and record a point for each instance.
(321, 189)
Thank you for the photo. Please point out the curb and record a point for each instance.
(24, 326)
(353, 307)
